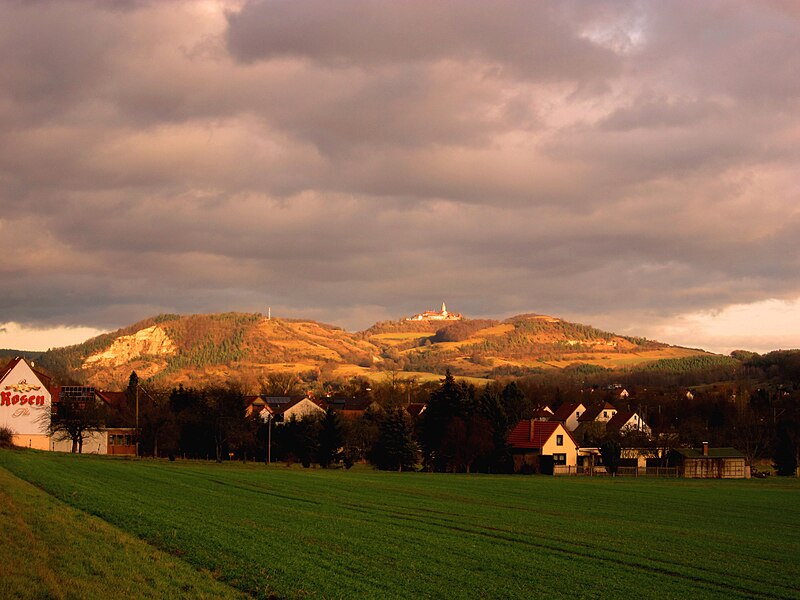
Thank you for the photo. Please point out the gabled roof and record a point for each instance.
(593, 411)
(712, 453)
(620, 419)
(564, 411)
(7, 369)
(542, 413)
(359, 404)
(534, 434)
(282, 407)
(14, 362)
(113, 399)
(415, 408)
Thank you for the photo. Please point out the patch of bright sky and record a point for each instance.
(621, 37)
(760, 327)
(18, 337)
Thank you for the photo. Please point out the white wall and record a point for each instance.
(24, 402)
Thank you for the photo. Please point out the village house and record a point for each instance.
(625, 422)
(598, 413)
(284, 408)
(542, 446)
(118, 435)
(568, 414)
(542, 413)
(351, 408)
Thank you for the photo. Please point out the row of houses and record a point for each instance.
(545, 443)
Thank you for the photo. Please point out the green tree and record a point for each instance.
(785, 455)
(224, 411)
(395, 449)
(331, 439)
(611, 452)
(516, 405)
(451, 400)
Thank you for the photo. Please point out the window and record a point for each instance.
(605, 414)
(559, 459)
(559, 440)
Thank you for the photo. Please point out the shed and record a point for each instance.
(710, 463)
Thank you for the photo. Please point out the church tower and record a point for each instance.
(444, 309)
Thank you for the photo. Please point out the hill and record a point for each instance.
(193, 349)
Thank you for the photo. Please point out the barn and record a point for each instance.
(710, 463)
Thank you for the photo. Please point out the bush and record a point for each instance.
(6, 435)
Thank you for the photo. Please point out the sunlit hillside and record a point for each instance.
(197, 348)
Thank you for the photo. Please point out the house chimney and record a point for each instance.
(705, 448)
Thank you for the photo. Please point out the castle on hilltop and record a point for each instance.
(432, 315)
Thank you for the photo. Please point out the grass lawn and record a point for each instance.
(366, 534)
(50, 550)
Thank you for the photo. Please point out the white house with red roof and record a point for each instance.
(25, 402)
(541, 445)
(284, 408)
(599, 413)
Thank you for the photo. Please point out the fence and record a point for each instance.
(600, 471)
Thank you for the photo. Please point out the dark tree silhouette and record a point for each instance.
(395, 449)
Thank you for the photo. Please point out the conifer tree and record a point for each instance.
(785, 452)
(331, 439)
(395, 449)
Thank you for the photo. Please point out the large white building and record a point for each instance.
(432, 315)
(25, 404)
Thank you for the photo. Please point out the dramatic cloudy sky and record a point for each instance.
(633, 165)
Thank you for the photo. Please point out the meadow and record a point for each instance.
(292, 532)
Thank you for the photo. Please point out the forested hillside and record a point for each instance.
(173, 349)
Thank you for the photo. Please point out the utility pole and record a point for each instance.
(137, 419)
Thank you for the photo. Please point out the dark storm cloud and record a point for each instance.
(360, 160)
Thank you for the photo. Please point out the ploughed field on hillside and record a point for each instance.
(198, 349)
(292, 532)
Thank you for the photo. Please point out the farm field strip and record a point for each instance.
(50, 550)
(363, 533)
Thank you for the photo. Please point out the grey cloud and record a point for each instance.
(358, 161)
(536, 40)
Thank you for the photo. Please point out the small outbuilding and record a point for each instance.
(710, 463)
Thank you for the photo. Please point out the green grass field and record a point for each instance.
(365, 534)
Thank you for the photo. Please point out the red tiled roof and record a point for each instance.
(113, 399)
(7, 369)
(619, 419)
(564, 411)
(592, 412)
(531, 434)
